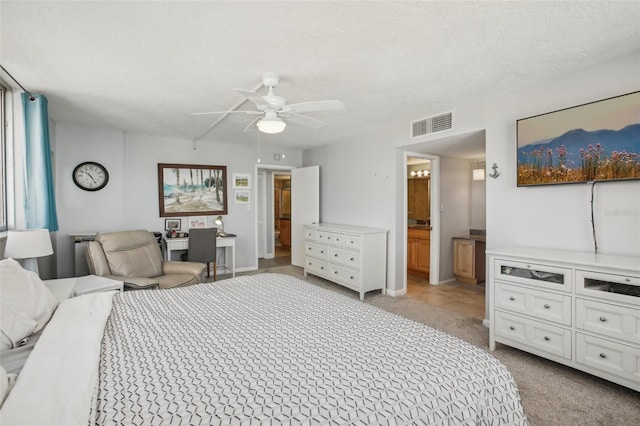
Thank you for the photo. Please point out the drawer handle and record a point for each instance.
(352, 242)
(511, 327)
(308, 248)
(335, 255)
(322, 267)
(512, 298)
(628, 280)
(603, 355)
(335, 272)
(321, 251)
(547, 338)
(603, 319)
(528, 266)
(352, 259)
(352, 277)
(546, 306)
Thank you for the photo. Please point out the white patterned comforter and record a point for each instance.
(272, 349)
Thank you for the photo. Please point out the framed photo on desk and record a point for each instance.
(172, 224)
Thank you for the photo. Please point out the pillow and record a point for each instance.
(24, 299)
(15, 327)
(6, 383)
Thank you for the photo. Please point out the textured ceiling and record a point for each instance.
(145, 66)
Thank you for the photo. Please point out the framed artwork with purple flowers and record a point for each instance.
(594, 142)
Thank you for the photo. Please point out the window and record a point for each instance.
(3, 159)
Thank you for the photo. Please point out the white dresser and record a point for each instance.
(352, 256)
(579, 309)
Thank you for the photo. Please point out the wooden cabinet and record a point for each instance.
(352, 256)
(285, 232)
(578, 309)
(418, 249)
(469, 260)
(418, 198)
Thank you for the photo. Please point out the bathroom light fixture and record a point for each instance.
(271, 123)
(478, 170)
(27, 245)
(478, 174)
(420, 173)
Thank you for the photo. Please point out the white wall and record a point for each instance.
(455, 211)
(559, 216)
(130, 200)
(361, 181)
(358, 185)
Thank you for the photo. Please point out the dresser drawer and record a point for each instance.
(610, 320)
(351, 241)
(621, 360)
(345, 257)
(620, 288)
(316, 266)
(319, 251)
(330, 237)
(535, 275)
(347, 276)
(543, 337)
(310, 234)
(540, 304)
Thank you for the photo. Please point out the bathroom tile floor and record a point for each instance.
(463, 298)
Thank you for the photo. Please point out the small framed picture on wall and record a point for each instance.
(242, 196)
(241, 181)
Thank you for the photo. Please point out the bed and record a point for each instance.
(258, 349)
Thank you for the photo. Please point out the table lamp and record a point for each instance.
(27, 245)
(219, 223)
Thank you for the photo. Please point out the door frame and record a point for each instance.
(434, 245)
(268, 203)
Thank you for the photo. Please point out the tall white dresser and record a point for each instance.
(352, 256)
(578, 309)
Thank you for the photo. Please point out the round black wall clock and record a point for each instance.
(90, 176)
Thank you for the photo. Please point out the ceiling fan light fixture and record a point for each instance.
(271, 124)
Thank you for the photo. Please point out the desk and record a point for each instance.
(228, 243)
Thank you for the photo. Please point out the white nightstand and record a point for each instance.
(95, 284)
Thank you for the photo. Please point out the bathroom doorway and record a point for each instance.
(282, 215)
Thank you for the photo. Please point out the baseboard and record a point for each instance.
(395, 293)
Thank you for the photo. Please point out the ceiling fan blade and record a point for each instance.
(253, 97)
(225, 112)
(330, 105)
(303, 120)
(252, 125)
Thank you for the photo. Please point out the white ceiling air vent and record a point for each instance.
(429, 125)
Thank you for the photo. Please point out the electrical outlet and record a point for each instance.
(276, 157)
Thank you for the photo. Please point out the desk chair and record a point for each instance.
(202, 247)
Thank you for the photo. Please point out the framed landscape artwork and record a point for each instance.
(192, 190)
(594, 142)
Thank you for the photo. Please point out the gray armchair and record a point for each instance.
(135, 258)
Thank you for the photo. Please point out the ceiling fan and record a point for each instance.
(273, 110)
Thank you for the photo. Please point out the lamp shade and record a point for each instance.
(271, 123)
(28, 243)
(219, 223)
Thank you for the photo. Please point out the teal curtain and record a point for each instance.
(40, 201)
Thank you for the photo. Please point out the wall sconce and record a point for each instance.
(27, 245)
(495, 173)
